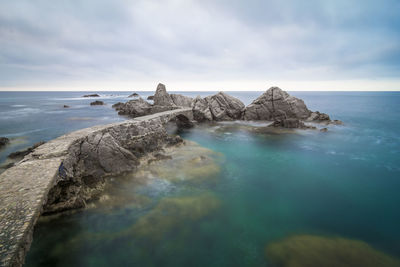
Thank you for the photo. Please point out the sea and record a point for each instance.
(238, 194)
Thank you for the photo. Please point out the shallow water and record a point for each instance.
(266, 187)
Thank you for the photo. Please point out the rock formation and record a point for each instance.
(4, 141)
(65, 106)
(139, 107)
(225, 107)
(97, 103)
(18, 155)
(150, 97)
(161, 97)
(134, 95)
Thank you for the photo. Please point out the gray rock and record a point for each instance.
(66, 106)
(276, 104)
(150, 97)
(4, 141)
(92, 95)
(134, 108)
(324, 130)
(225, 107)
(161, 97)
(181, 100)
(97, 103)
(201, 111)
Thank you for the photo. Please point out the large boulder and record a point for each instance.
(201, 111)
(134, 108)
(225, 107)
(276, 104)
(181, 100)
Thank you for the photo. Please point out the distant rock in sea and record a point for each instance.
(92, 95)
(4, 141)
(134, 95)
(150, 97)
(66, 106)
(97, 103)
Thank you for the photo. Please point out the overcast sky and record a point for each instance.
(200, 45)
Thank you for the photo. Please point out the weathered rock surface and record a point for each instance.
(108, 152)
(225, 107)
(91, 95)
(3, 142)
(318, 116)
(134, 95)
(150, 97)
(97, 103)
(276, 104)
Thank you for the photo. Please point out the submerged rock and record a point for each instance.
(225, 107)
(309, 251)
(289, 123)
(317, 116)
(171, 215)
(4, 141)
(276, 104)
(97, 103)
(91, 95)
(324, 130)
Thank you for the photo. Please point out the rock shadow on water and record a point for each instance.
(310, 250)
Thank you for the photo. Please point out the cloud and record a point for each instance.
(62, 42)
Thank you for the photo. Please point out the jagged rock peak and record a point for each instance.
(161, 97)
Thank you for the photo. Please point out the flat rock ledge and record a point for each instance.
(68, 171)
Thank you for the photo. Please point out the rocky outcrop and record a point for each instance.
(3, 142)
(65, 106)
(150, 97)
(91, 95)
(225, 107)
(134, 95)
(317, 116)
(276, 104)
(97, 103)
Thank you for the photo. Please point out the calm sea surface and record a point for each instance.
(232, 195)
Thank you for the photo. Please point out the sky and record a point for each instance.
(200, 45)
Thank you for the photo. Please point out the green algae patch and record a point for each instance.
(309, 251)
(172, 215)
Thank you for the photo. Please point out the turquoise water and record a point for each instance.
(267, 187)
